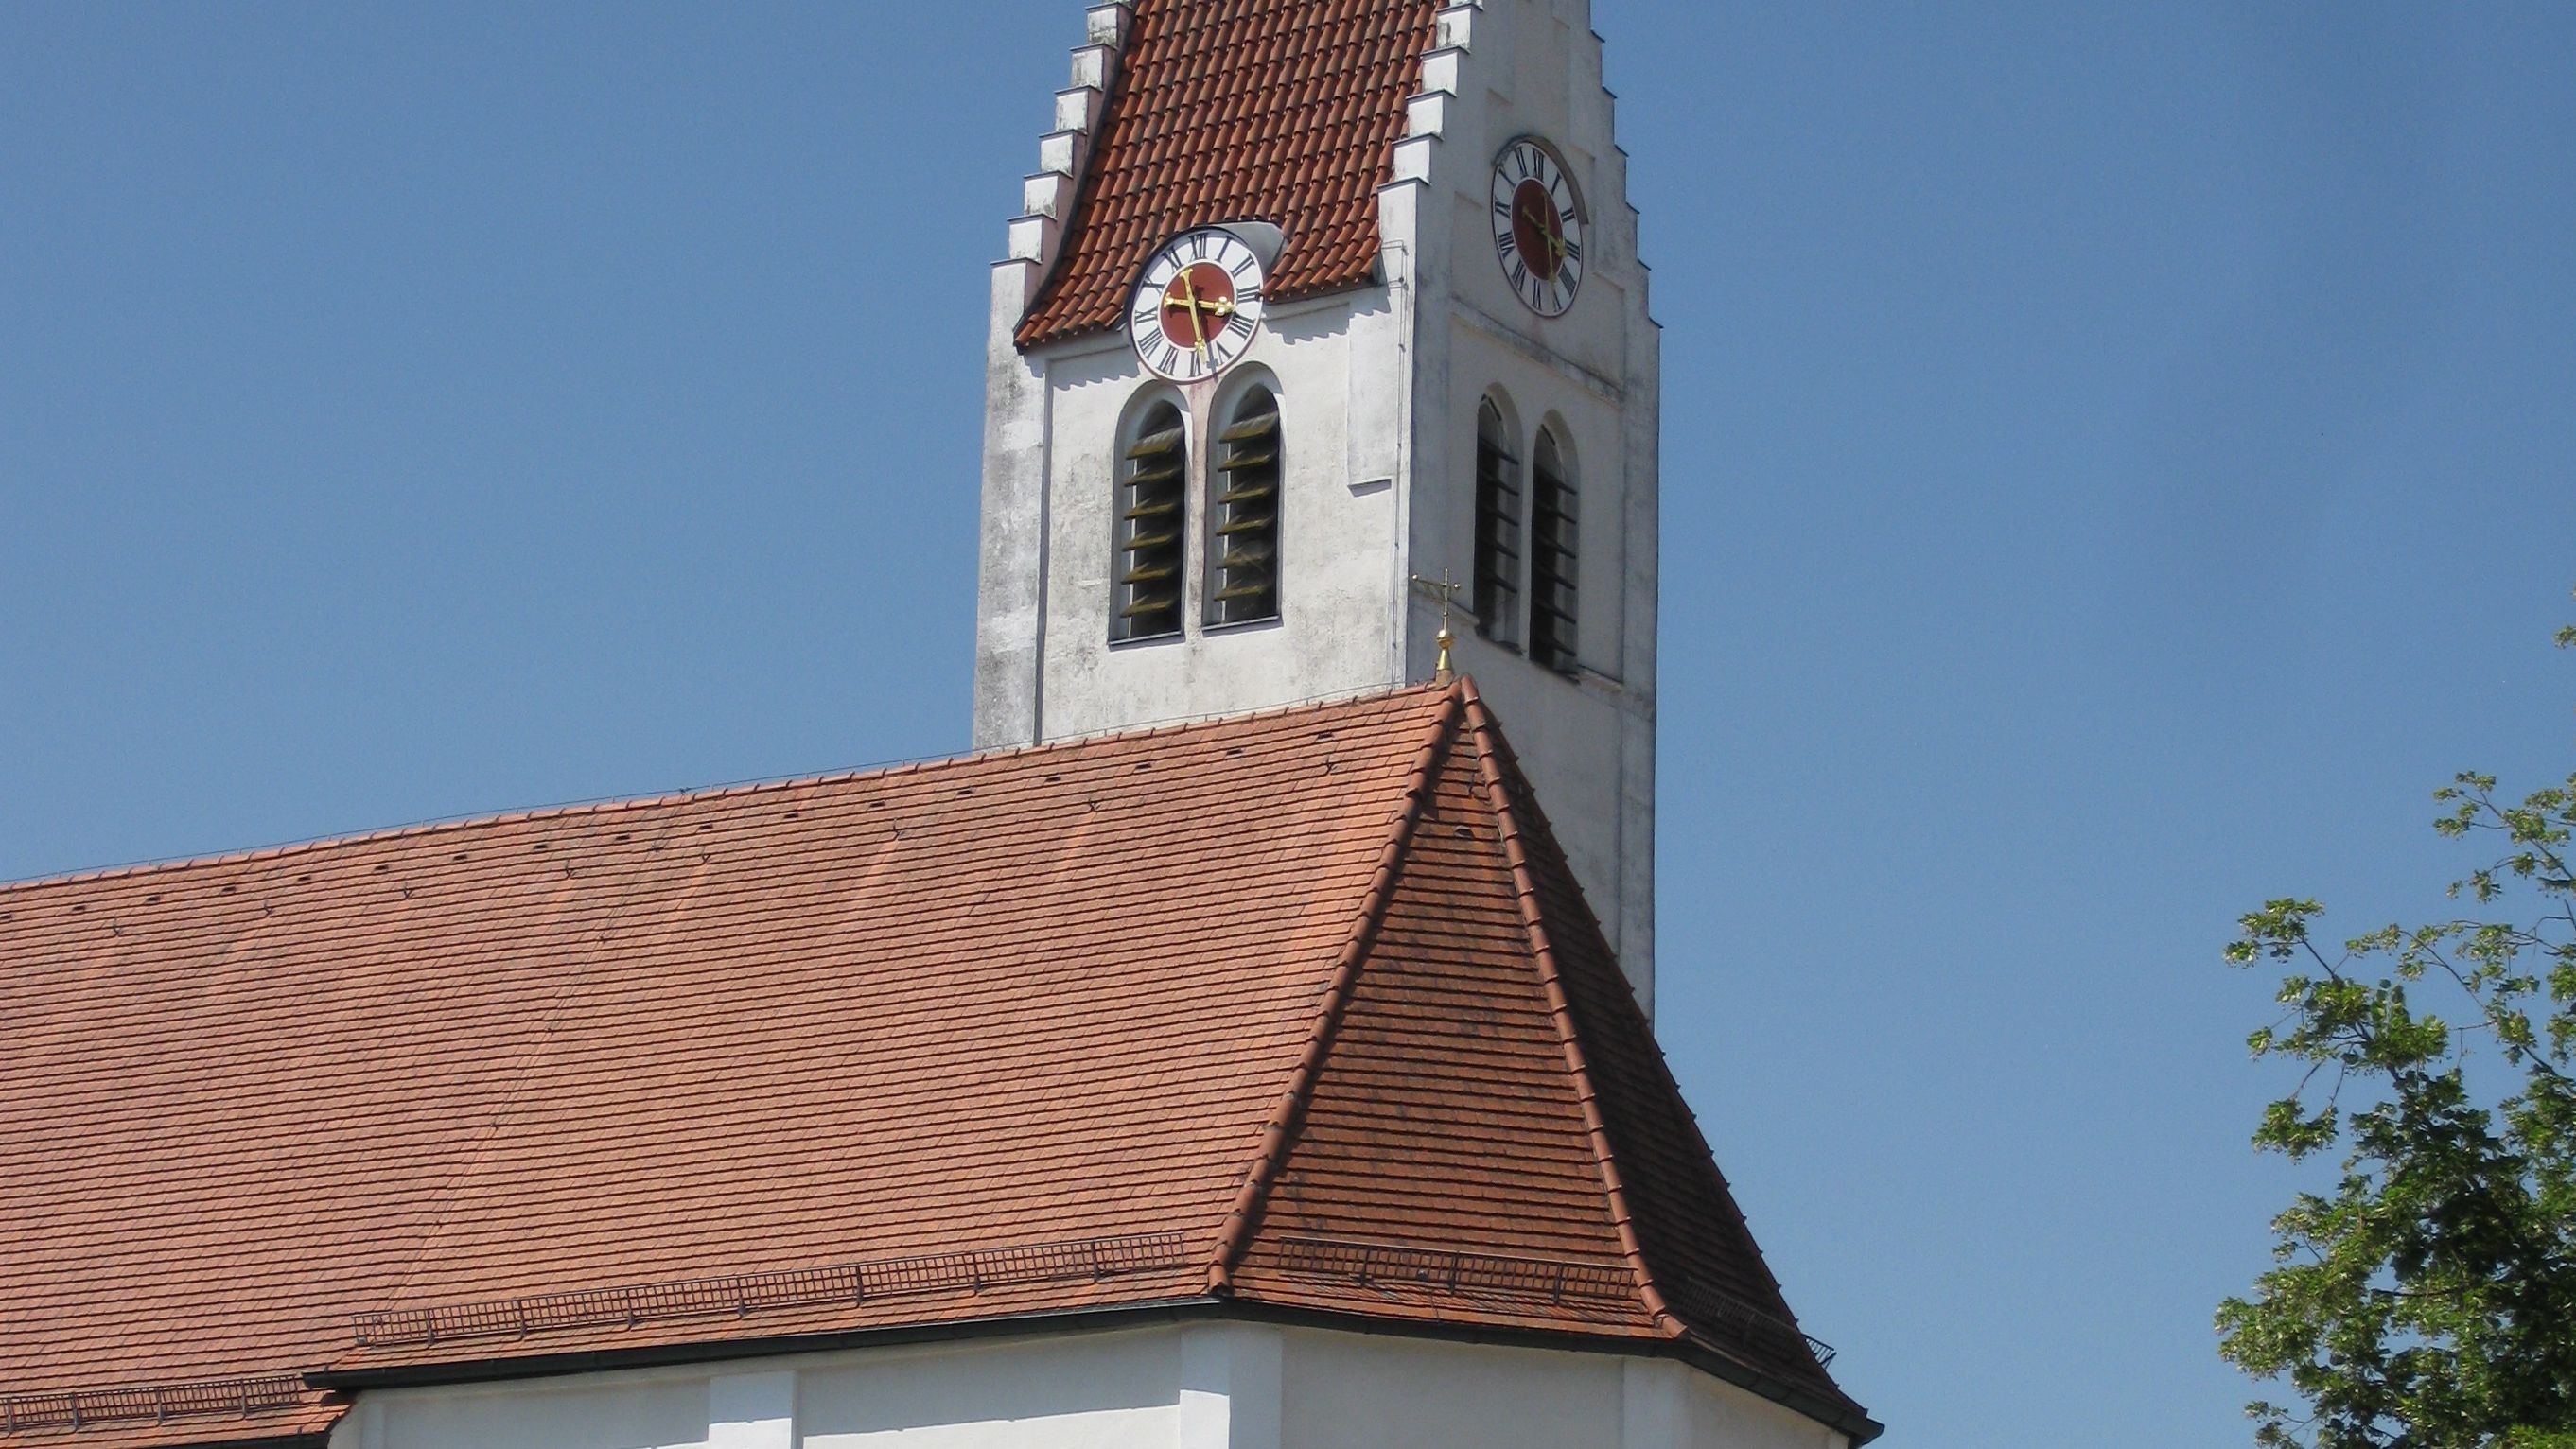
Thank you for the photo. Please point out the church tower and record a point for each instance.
(1316, 304)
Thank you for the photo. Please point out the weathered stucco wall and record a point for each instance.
(1341, 554)
(1523, 68)
(1211, 1386)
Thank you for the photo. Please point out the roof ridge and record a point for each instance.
(1234, 1234)
(614, 805)
(1482, 728)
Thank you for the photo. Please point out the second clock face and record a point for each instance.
(1198, 306)
(1538, 228)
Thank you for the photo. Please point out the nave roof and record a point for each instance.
(1298, 1012)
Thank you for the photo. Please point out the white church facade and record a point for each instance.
(1210, 1386)
(1249, 1046)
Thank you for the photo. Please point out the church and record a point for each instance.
(1247, 1046)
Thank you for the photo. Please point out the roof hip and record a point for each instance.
(1480, 726)
(1235, 1235)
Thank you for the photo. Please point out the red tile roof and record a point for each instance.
(1301, 1010)
(1284, 111)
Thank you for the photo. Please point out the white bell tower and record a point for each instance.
(1441, 383)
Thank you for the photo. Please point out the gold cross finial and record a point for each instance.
(1446, 591)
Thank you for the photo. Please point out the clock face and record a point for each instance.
(1538, 228)
(1198, 305)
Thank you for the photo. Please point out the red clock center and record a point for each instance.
(1538, 230)
(1197, 305)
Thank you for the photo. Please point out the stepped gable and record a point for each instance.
(1286, 1012)
(1285, 111)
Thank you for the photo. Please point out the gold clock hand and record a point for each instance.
(1555, 238)
(1198, 328)
(1189, 288)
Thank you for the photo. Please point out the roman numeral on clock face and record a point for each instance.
(1198, 305)
(1538, 227)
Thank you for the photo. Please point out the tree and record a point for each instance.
(2429, 1300)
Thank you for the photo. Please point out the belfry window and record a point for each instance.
(1555, 547)
(1497, 598)
(1243, 555)
(1152, 498)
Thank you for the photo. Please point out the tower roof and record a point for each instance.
(1284, 111)
(1298, 1012)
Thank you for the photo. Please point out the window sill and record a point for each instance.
(1245, 626)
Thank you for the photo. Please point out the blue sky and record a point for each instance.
(2118, 463)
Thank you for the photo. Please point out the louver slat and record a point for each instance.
(1252, 429)
(1157, 444)
(1243, 583)
(1555, 543)
(1497, 597)
(1153, 499)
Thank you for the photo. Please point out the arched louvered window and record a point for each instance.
(1555, 546)
(1243, 557)
(1152, 501)
(1497, 599)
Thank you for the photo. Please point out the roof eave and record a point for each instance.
(1840, 1416)
(698, 1351)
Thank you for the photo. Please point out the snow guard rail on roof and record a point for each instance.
(971, 1271)
(156, 1404)
(1447, 1272)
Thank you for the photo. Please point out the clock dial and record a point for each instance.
(1538, 228)
(1198, 305)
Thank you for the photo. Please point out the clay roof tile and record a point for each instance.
(1303, 1008)
(1285, 111)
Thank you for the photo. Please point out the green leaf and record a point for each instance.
(2425, 1297)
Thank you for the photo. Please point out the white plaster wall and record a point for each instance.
(1092, 1391)
(1196, 1386)
(1341, 551)
(1010, 599)
(604, 1411)
(1722, 1417)
(1533, 67)
(1121, 1390)
(1351, 1391)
